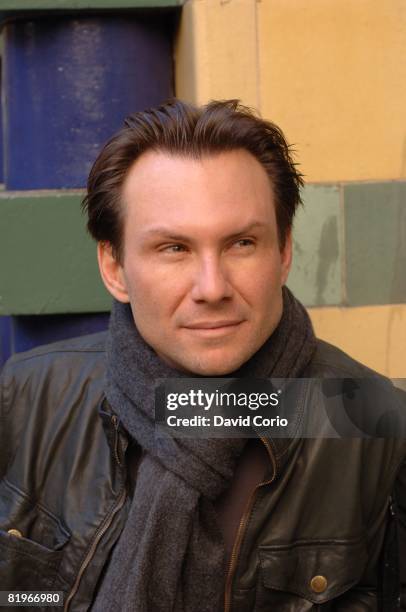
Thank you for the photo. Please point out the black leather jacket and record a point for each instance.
(318, 535)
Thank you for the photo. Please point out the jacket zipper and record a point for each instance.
(104, 527)
(241, 528)
(99, 534)
(116, 424)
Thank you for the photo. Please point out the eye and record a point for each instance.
(244, 243)
(173, 248)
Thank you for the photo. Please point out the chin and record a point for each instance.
(210, 371)
(218, 366)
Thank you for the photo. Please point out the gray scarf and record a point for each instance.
(170, 555)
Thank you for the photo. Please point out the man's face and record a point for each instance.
(202, 267)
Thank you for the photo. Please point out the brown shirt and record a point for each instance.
(251, 470)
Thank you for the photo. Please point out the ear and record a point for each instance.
(112, 272)
(286, 257)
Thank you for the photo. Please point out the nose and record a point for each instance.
(210, 282)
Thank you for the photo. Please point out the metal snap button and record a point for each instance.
(318, 584)
(15, 532)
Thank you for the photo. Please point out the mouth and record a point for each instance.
(214, 328)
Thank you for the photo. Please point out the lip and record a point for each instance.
(213, 324)
(213, 329)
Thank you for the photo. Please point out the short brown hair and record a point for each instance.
(182, 129)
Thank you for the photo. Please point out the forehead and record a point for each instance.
(211, 190)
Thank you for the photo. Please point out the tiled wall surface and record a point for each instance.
(350, 245)
(317, 273)
(333, 74)
(54, 267)
(375, 230)
(375, 335)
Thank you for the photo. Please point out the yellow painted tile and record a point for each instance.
(374, 335)
(216, 51)
(333, 76)
(185, 55)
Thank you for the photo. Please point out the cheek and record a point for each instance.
(153, 292)
(140, 287)
(262, 281)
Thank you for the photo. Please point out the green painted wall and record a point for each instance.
(316, 274)
(375, 230)
(47, 260)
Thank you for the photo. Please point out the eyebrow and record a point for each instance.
(166, 232)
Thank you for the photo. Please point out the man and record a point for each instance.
(192, 210)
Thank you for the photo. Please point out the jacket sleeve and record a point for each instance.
(400, 496)
(12, 419)
(4, 410)
(385, 576)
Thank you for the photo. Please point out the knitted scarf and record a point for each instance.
(170, 555)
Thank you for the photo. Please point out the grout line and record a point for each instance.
(257, 54)
(343, 245)
(358, 182)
